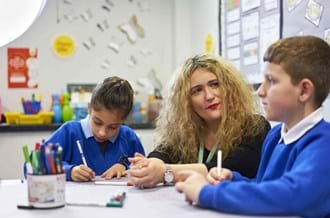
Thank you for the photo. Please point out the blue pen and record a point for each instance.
(58, 159)
(42, 166)
(47, 164)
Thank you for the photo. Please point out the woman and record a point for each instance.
(209, 107)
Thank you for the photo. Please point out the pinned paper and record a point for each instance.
(110, 3)
(132, 61)
(132, 29)
(145, 52)
(89, 43)
(68, 1)
(143, 6)
(114, 47)
(130, 33)
(314, 12)
(87, 15)
(327, 36)
(106, 8)
(70, 17)
(138, 28)
(103, 25)
(106, 64)
(292, 4)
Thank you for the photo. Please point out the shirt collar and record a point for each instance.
(302, 127)
(87, 130)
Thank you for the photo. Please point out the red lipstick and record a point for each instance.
(213, 106)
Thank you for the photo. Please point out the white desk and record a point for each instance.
(158, 202)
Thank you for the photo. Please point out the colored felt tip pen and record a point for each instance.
(219, 162)
(117, 200)
(27, 159)
(81, 153)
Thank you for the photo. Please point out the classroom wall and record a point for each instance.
(175, 30)
(84, 66)
(193, 20)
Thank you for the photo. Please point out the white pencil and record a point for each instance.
(81, 153)
(219, 162)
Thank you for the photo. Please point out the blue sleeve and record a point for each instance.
(134, 146)
(304, 190)
(238, 177)
(64, 136)
(138, 145)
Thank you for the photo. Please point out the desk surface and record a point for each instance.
(158, 202)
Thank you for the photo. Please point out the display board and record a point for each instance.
(307, 17)
(248, 28)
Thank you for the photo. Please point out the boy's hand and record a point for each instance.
(190, 183)
(214, 178)
(82, 173)
(117, 170)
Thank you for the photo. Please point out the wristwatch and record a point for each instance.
(168, 175)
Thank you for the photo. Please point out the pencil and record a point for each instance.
(219, 162)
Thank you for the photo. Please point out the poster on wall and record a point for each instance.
(64, 46)
(22, 68)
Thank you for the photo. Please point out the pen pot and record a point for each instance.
(46, 191)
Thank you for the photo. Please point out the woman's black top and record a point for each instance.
(245, 159)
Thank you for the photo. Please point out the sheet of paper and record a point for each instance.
(233, 15)
(269, 33)
(250, 4)
(116, 182)
(250, 26)
(250, 53)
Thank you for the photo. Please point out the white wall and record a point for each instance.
(193, 20)
(85, 65)
(175, 30)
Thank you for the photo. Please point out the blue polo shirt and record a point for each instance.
(124, 144)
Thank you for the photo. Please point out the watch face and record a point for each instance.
(169, 177)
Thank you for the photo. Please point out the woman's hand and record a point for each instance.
(82, 173)
(117, 170)
(145, 172)
(213, 177)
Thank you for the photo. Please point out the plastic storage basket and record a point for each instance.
(20, 118)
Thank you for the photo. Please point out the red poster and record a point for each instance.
(22, 68)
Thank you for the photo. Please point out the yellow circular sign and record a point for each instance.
(64, 46)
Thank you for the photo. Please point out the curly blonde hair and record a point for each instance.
(179, 128)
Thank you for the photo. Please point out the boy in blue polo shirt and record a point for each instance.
(293, 176)
(105, 142)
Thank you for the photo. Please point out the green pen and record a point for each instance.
(27, 159)
(35, 163)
